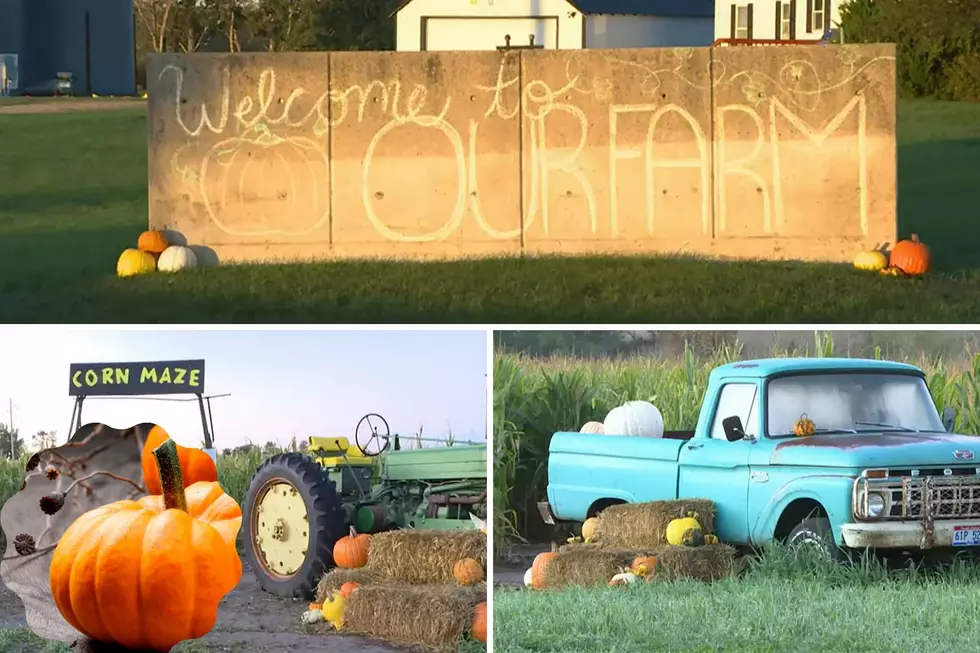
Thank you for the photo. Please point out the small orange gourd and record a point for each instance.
(478, 629)
(351, 551)
(153, 242)
(195, 464)
(348, 588)
(122, 574)
(468, 572)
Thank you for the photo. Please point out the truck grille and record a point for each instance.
(928, 496)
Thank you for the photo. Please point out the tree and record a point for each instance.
(156, 17)
(44, 440)
(284, 25)
(6, 435)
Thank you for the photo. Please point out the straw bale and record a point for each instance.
(644, 525)
(421, 557)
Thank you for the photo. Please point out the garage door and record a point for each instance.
(488, 33)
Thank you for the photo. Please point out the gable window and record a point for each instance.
(741, 21)
(816, 18)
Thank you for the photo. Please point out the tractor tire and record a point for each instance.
(325, 520)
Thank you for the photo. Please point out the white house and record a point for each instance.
(553, 24)
(776, 20)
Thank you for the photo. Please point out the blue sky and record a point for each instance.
(282, 383)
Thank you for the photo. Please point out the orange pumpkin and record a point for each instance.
(153, 242)
(195, 464)
(122, 574)
(644, 565)
(539, 568)
(478, 629)
(910, 256)
(348, 588)
(468, 572)
(351, 551)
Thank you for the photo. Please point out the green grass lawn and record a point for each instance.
(774, 609)
(73, 195)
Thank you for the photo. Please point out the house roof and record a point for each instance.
(668, 8)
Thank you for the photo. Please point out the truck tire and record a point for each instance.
(309, 547)
(815, 531)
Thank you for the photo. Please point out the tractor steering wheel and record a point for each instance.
(372, 428)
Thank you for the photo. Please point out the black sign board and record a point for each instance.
(130, 379)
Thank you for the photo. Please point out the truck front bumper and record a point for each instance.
(901, 535)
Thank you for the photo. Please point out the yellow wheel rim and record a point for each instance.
(282, 529)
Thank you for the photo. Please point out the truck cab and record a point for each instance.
(880, 470)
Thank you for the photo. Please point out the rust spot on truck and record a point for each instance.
(869, 440)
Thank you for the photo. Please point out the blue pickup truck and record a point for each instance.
(881, 469)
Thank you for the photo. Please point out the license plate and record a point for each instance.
(966, 536)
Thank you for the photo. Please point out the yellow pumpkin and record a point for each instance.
(332, 609)
(872, 261)
(677, 527)
(589, 529)
(133, 262)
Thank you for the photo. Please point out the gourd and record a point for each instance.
(348, 588)
(195, 464)
(624, 578)
(133, 262)
(677, 527)
(333, 609)
(468, 572)
(527, 577)
(872, 261)
(636, 418)
(351, 551)
(478, 629)
(693, 537)
(592, 427)
(710, 538)
(153, 242)
(539, 569)
(644, 565)
(176, 258)
(911, 256)
(804, 426)
(589, 528)
(891, 272)
(124, 573)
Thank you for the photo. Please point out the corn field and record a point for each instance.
(535, 397)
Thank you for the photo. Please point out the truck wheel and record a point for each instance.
(815, 532)
(293, 517)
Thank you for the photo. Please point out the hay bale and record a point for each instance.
(644, 525)
(589, 565)
(420, 557)
(333, 579)
(434, 616)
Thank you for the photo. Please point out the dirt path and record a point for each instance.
(249, 621)
(58, 105)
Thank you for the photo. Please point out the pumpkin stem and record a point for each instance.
(915, 238)
(171, 480)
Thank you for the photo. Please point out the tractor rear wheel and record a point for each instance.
(293, 517)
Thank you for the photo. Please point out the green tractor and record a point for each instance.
(298, 505)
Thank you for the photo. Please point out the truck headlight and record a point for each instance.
(876, 505)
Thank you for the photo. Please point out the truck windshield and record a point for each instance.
(851, 403)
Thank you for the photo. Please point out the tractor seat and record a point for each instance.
(334, 450)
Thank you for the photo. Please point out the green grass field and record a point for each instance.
(73, 195)
(782, 605)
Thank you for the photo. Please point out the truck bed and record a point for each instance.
(584, 468)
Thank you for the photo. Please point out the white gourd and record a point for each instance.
(527, 578)
(177, 257)
(635, 418)
(592, 427)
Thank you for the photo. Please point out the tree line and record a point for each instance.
(938, 43)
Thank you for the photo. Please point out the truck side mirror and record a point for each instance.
(733, 428)
(949, 419)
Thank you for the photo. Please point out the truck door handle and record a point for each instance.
(695, 445)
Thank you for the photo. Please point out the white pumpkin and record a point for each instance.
(636, 418)
(177, 257)
(527, 578)
(592, 427)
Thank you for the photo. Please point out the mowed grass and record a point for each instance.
(73, 195)
(783, 604)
